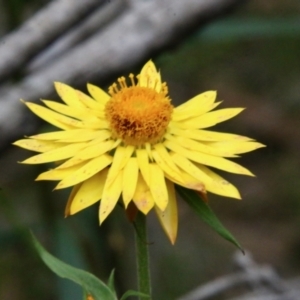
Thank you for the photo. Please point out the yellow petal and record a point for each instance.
(142, 196)
(55, 155)
(158, 186)
(64, 134)
(71, 197)
(149, 77)
(188, 181)
(169, 217)
(219, 185)
(110, 197)
(87, 135)
(120, 158)
(190, 168)
(210, 119)
(148, 148)
(36, 145)
(192, 183)
(179, 182)
(165, 167)
(117, 143)
(143, 161)
(49, 116)
(187, 114)
(165, 155)
(89, 152)
(86, 171)
(68, 94)
(58, 174)
(90, 124)
(130, 177)
(89, 192)
(209, 160)
(204, 100)
(205, 135)
(71, 111)
(90, 103)
(197, 106)
(200, 146)
(60, 120)
(236, 147)
(98, 94)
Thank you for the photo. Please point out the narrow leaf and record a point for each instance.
(133, 293)
(206, 214)
(111, 281)
(90, 283)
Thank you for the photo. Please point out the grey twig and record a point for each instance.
(263, 281)
(96, 21)
(35, 34)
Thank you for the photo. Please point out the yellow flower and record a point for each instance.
(133, 143)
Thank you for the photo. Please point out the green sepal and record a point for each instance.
(90, 283)
(133, 293)
(206, 214)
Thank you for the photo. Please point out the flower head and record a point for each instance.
(131, 145)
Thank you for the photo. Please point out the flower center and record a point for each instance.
(136, 114)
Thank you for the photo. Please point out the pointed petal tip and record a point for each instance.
(236, 196)
(149, 64)
(60, 86)
(260, 145)
(57, 85)
(251, 174)
(104, 212)
(172, 236)
(102, 218)
(145, 212)
(173, 240)
(23, 162)
(67, 212)
(161, 205)
(58, 187)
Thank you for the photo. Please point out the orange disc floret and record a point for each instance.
(138, 115)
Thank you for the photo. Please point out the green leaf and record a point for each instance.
(111, 281)
(133, 293)
(206, 214)
(90, 283)
(64, 239)
(85, 295)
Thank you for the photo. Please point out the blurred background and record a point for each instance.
(251, 56)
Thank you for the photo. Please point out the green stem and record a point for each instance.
(142, 256)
